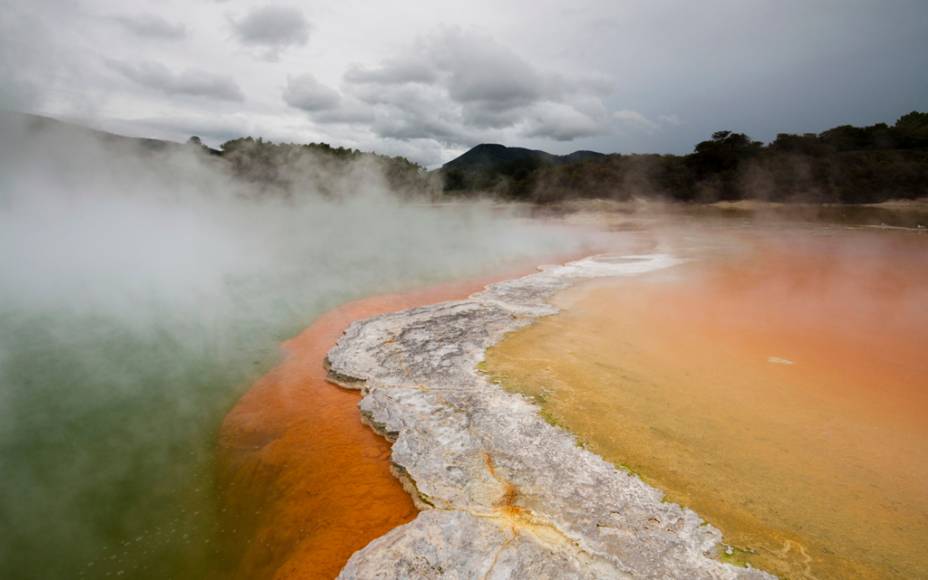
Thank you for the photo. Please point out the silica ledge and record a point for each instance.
(503, 493)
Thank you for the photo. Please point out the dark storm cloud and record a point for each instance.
(401, 111)
(192, 82)
(486, 73)
(484, 79)
(460, 88)
(273, 27)
(610, 75)
(152, 26)
(761, 67)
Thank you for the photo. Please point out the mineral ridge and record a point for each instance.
(503, 493)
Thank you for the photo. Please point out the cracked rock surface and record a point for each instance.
(504, 494)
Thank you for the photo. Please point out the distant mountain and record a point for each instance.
(581, 155)
(493, 167)
(495, 157)
(841, 165)
(845, 164)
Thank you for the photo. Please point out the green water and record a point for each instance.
(108, 465)
(112, 391)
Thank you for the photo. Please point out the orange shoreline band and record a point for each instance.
(303, 482)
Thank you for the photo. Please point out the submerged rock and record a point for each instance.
(504, 493)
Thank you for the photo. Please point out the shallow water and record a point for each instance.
(306, 482)
(776, 384)
(124, 344)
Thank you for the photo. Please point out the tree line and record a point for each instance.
(319, 168)
(845, 164)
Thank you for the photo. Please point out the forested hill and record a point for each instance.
(333, 171)
(496, 157)
(269, 168)
(842, 165)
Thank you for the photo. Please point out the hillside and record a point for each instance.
(269, 168)
(842, 165)
(13, 123)
(484, 166)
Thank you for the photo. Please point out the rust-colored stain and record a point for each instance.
(304, 484)
(507, 501)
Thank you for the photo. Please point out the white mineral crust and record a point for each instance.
(503, 493)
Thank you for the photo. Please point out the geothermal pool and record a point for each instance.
(776, 383)
(307, 482)
(120, 356)
(129, 327)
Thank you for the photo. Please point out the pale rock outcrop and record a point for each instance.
(504, 493)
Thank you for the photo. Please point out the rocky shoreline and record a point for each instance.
(503, 493)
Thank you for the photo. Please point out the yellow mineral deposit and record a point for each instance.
(780, 391)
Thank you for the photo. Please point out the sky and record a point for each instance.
(429, 80)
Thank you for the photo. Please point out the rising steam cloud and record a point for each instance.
(140, 291)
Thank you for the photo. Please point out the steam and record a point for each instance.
(141, 290)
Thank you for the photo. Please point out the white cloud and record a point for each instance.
(273, 27)
(307, 93)
(461, 88)
(526, 73)
(634, 119)
(483, 72)
(152, 26)
(416, 69)
(192, 82)
(563, 123)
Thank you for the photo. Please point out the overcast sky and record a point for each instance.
(430, 79)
